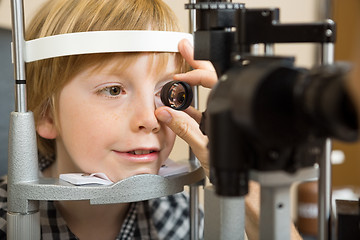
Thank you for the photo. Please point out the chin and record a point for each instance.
(149, 171)
(123, 176)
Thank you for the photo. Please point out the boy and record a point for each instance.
(96, 113)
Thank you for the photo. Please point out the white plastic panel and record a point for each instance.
(103, 42)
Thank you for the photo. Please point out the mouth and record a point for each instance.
(140, 155)
(141, 152)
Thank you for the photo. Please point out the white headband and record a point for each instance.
(103, 42)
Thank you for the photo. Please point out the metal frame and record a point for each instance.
(275, 211)
(225, 216)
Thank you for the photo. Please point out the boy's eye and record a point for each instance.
(111, 91)
(114, 90)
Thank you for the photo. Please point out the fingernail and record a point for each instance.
(164, 116)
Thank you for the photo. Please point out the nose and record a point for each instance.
(143, 115)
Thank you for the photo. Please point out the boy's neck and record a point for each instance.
(89, 221)
(93, 221)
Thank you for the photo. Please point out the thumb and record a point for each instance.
(186, 128)
(180, 123)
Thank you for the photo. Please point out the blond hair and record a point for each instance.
(46, 78)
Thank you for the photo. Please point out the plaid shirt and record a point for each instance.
(161, 218)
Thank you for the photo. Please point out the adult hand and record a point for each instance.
(186, 124)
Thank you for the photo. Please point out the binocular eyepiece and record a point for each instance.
(177, 95)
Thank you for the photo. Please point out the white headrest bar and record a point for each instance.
(103, 42)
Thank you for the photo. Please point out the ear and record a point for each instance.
(46, 128)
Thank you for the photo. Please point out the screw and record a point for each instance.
(328, 33)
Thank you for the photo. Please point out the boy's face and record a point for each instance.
(107, 122)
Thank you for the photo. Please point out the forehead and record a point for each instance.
(150, 62)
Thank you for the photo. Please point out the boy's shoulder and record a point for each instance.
(3, 190)
(3, 206)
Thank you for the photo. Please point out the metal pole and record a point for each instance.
(324, 219)
(194, 212)
(18, 55)
(275, 220)
(325, 9)
(232, 212)
(192, 19)
(224, 216)
(328, 50)
(194, 189)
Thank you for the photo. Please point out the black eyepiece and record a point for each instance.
(177, 95)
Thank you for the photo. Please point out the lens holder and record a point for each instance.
(177, 95)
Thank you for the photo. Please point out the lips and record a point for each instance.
(139, 155)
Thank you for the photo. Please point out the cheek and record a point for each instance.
(77, 126)
(169, 138)
(73, 120)
(170, 134)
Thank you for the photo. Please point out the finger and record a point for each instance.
(198, 77)
(194, 113)
(187, 51)
(186, 128)
(182, 124)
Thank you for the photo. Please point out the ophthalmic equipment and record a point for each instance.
(268, 120)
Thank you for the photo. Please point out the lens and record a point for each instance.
(177, 95)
